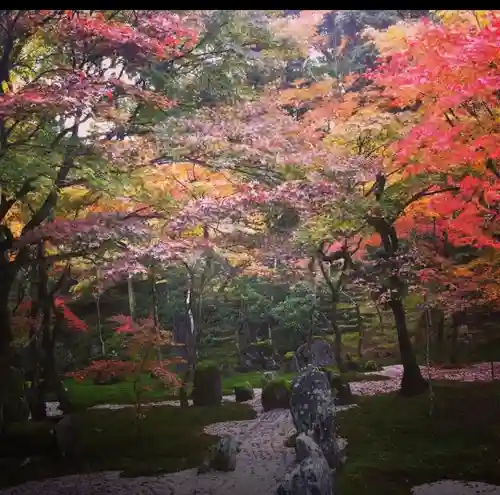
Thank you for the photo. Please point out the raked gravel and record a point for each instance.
(261, 463)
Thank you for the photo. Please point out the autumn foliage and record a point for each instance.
(452, 70)
(142, 341)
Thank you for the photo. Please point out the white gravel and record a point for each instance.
(450, 487)
(261, 463)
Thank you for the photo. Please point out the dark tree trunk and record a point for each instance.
(7, 276)
(439, 316)
(457, 319)
(454, 342)
(413, 382)
(337, 347)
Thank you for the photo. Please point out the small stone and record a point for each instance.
(222, 456)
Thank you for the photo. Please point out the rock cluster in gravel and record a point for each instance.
(262, 462)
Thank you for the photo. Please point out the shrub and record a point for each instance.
(207, 385)
(289, 355)
(14, 405)
(207, 363)
(268, 376)
(342, 389)
(243, 392)
(353, 363)
(371, 366)
(276, 394)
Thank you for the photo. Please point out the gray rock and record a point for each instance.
(271, 364)
(258, 356)
(313, 410)
(270, 375)
(222, 455)
(320, 354)
(312, 476)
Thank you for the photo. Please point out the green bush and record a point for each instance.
(243, 392)
(276, 394)
(15, 405)
(207, 385)
(290, 355)
(340, 387)
(353, 363)
(244, 385)
(207, 363)
(371, 366)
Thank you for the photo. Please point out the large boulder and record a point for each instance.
(312, 476)
(207, 386)
(320, 354)
(276, 395)
(222, 456)
(313, 410)
(258, 356)
(15, 406)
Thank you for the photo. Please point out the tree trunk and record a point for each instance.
(413, 382)
(454, 343)
(97, 297)
(361, 341)
(99, 324)
(457, 319)
(380, 318)
(131, 296)
(7, 275)
(156, 316)
(191, 350)
(337, 343)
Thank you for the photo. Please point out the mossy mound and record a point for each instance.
(207, 385)
(243, 392)
(276, 395)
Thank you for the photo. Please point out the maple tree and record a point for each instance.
(399, 194)
(60, 95)
(127, 162)
(143, 339)
(456, 140)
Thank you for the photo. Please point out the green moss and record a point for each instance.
(243, 392)
(171, 439)
(244, 386)
(207, 364)
(84, 394)
(394, 443)
(207, 385)
(263, 343)
(290, 355)
(371, 366)
(253, 377)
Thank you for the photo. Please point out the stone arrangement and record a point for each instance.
(312, 407)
